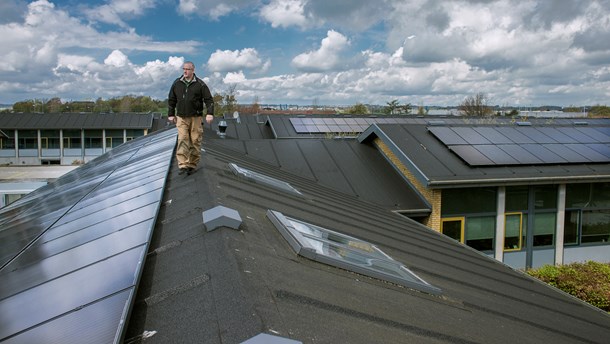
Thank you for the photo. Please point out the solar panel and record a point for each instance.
(496, 146)
(496, 155)
(72, 279)
(520, 154)
(471, 155)
(471, 136)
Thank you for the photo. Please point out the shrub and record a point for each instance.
(588, 281)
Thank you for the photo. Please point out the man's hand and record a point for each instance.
(209, 118)
(171, 119)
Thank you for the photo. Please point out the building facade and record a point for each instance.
(66, 139)
(527, 196)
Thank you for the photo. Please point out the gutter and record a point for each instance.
(517, 181)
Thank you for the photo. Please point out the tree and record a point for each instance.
(230, 102)
(422, 111)
(599, 111)
(392, 106)
(358, 109)
(476, 105)
(218, 104)
(54, 105)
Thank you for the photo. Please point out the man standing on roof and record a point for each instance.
(185, 102)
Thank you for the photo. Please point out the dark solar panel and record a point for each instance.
(447, 136)
(588, 152)
(496, 155)
(547, 156)
(568, 154)
(73, 278)
(472, 156)
(520, 154)
(471, 136)
(525, 145)
(493, 135)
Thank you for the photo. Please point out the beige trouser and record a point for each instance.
(190, 135)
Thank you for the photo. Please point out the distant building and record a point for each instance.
(66, 139)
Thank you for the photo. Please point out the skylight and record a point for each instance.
(346, 252)
(263, 179)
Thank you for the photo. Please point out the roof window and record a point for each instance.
(263, 179)
(346, 252)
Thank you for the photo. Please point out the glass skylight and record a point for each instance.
(263, 179)
(346, 252)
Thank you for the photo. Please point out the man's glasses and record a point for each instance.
(187, 68)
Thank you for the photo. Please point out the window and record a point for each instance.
(72, 139)
(480, 232)
(263, 179)
(28, 139)
(49, 139)
(468, 200)
(544, 229)
(571, 224)
(346, 252)
(114, 138)
(134, 133)
(513, 234)
(516, 198)
(588, 222)
(93, 139)
(453, 227)
(595, 226)
(7, 139)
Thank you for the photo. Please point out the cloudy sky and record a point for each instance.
(434, 52)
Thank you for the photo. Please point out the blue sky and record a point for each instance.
(335, 52)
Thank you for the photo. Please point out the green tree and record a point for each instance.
(26, 106)
(599, 111)
(358, 109)
(230, 101)
(218, 104)
(391, 107)
(476, 105)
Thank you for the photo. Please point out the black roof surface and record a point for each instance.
(346, 166)
(226, 286)
(75, 121)
(440, 167)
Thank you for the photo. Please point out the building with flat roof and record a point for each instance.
(66, 138)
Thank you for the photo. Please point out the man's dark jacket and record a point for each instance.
(186, 99)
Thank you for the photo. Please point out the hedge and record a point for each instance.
(588, 281)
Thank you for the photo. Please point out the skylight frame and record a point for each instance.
(346, 252)
(263, 179)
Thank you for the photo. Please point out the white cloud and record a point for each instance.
(230, 61)
(327, 57)
(115, 11)
(117, 59)
(285, 13)
(213, 9)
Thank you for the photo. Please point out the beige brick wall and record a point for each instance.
(432, 196)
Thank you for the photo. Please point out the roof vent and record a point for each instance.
(436, 122)
(264, 338)
(581, 123)
(524, 124)
(220, 216)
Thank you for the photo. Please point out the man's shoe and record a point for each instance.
(190, 171)
(182, 170)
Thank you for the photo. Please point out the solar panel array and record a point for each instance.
(71, 252)
(526, 145)
(340, 124)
